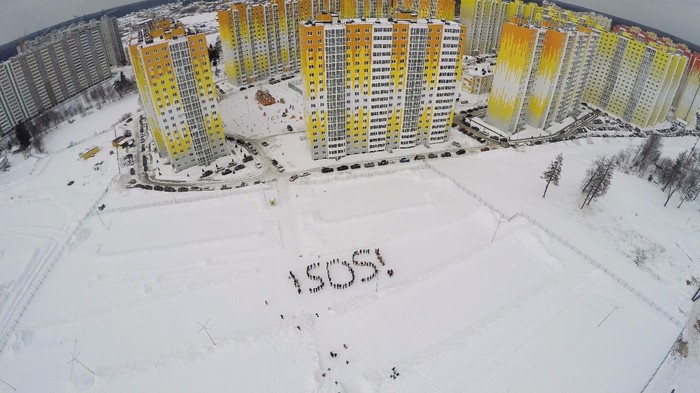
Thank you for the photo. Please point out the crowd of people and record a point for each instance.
(328, 272)
(313, 277)
(296, 282)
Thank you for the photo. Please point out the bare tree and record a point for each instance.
(599, 179)
(553, 173)
(676, 175)
(648, 153)
(691, 187)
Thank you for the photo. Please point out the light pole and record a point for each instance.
(119, 168)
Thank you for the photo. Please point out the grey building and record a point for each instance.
(113, 41)
(49, 70)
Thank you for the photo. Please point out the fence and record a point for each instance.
(7, 327)
(567, 244)
(204, 195)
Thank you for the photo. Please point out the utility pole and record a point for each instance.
(119, 168)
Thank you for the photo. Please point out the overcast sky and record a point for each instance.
(679, 17)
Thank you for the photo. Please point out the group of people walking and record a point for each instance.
(296, 282)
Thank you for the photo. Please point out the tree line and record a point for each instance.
(679, 175)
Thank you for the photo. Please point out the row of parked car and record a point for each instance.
(418, 157)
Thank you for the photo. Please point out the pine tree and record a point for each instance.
(691, 187)
(676, 176)
(23, 136)
(553, 173)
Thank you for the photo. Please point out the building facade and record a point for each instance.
(176, 86)
(688, 101)
(378, 83)
(113, 41)
(485, 18)
(540, 75)
(261, 39)
(49, 70)
(635, 76)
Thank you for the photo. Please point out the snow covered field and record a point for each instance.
(479, 301)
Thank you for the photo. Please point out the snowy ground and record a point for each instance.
(242, 115)
(465, 311)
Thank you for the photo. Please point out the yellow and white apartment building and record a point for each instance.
(260, 39)
(688, 99)
(485, 18)
(378, 83)
(635, 75)
(176, 87)
(540, 75)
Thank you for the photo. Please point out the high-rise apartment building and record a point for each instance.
(49, 70)
(113, 41)
(176, 86)
(635, 75)
(688, 101)
(378, 83)
(540, 75)
(261, 39)
(484, 20)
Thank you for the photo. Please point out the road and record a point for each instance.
(269, 172)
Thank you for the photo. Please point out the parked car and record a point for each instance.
(158, 188)
(247, 158)
(460, 152)
(239, 167)
(258, 165)
(405, 159)
(342, 168)
(225, 187)
(456, 144)
(169, 189)
(419, 157)
(243, 184)
(294, 177)
(196, 188)
(446, 154)
(183, 189)
(305, 174)
(101, 207)
(264, 143)
(369, 165)
(70, 183)
(207, 173)
(280, 168)
(147, 187)
(485, 148)
(275, 163)
(326, 170)
(383, 162)
(132, 171)
(226, 172)
(432, 155)
(355, 166)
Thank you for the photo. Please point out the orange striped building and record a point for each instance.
(176, 87)
(378, 83)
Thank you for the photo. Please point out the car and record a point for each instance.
(158, 188)
(226, 172)
(383, 162)
(503, 139)
(454, 124)
(265, 144)
(274, 162)
(251, 86)
(369, 165)
(465, 112)
(231, 164)
(132, 171)
(169, 189)
(495, 138)
(481, 140)
(538, 142)
(355, 166)
(419, 157)
(225, 187)
(456, 144)
(485, 148)
(70, 183)
(207, 173)
(446, 154)
(239, 167)
(405, 159)
(258, 165)
(343, 168)
(146, 186)
(305, 174)
(196, 188)
(254, 151)
(326, 170)
(243, 88)
(243, 184)
(247, 158)
(132, 181)
(293, 177)
(460, 152)
(462, 129)
(183, 189)
(101, 207)
(432, 155)
(280, 168)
